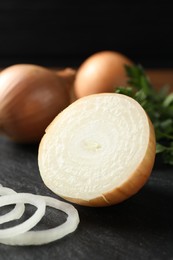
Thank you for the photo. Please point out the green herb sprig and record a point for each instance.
(157, 104)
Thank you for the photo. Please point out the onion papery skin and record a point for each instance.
(101, 72)
(30, 97)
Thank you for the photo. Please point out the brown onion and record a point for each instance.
(30, 97)
(101, 72)
(68, 75)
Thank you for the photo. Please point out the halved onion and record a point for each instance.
(29, 223)
(15, 213)
(47, 236)
(99, 151)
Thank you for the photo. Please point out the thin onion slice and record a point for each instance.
(49, 235)
(29, 223)
(15, 213)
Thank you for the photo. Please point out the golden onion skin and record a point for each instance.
(30, 97)
(101, 72)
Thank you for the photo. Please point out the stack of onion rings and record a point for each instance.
(21, 234)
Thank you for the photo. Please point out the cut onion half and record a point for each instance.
(99, 151)
(29, 223)
(49, 235)
(15, 213)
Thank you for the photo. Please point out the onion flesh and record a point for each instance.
(99, 151)
(47, 236)
(15, 213)
(29, 223)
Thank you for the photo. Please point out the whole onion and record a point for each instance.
(101, 72)
(30, 97)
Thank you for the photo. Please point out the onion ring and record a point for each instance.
(29, 223)
(15, 213)
(49, 235)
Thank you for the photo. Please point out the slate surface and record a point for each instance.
(140, 228)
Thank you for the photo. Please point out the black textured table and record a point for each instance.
(139, 228)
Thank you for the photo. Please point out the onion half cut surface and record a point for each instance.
(49, 235)
(99, 151)
(15, 213)
(30, 222)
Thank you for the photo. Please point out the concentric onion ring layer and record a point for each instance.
(93, 146)
(15, 213)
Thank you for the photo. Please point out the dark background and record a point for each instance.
(64, 32)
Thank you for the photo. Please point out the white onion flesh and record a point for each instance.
(99, 151)
(29, 223)
(49, 235)
(20, 234)
(15, 213)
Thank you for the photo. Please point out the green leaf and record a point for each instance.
(157, 104)
(160, 148)
(168, 100)
(128, 91)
